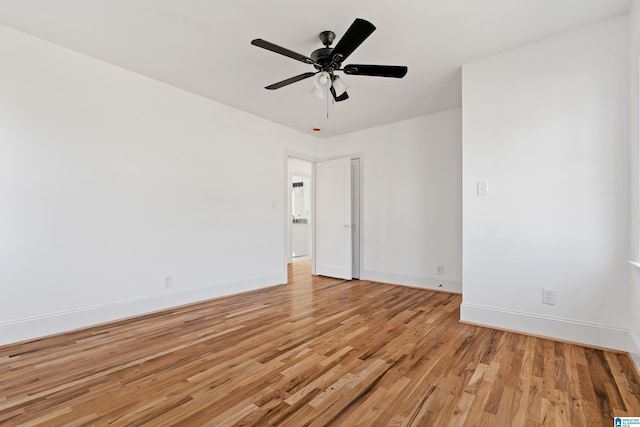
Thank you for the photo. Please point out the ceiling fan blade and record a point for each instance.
(282, 51)
(342, 97)
(396, 71)
(290, 80)
(355, 35)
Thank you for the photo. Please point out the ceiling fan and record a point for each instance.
(328, 60)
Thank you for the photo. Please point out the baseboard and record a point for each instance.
(635, 354)
(591, 334)
(56, 323)
(413, 281)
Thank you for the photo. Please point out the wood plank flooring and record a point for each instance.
(316, 352)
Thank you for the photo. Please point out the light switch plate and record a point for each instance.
(483, 188)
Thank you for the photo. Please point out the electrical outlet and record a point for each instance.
(168, 282)
(440, 270)
(548, 296)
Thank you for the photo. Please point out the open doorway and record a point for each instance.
(342, 239)
(300, 210)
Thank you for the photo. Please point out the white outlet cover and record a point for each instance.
(168, 282)
(549, 296)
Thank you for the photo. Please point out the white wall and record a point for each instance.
(110, 181)
(412, 208)
(299, 167)
(547, 125)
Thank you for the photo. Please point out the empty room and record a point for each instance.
(342, 213)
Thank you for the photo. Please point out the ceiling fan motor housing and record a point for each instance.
(322, 57)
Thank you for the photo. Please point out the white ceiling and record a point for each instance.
(203, 46)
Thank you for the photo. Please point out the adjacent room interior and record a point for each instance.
(144, 168)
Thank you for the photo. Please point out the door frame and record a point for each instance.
(356, 218)
(286, 202)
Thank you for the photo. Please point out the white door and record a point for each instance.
(333, 218)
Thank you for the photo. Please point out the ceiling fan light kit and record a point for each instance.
(322, 84)
(339, 85)
(318, 93)
(328, 60)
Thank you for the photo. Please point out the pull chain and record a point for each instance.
(327, 98)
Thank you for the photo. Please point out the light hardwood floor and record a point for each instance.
(315, 352)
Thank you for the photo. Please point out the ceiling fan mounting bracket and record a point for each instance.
(327, 37)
